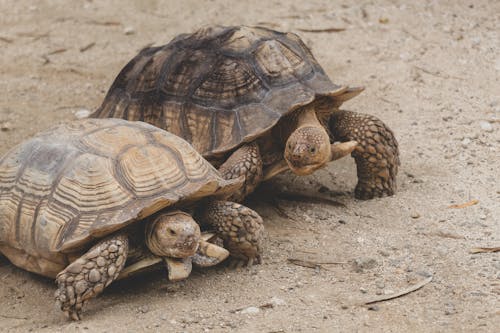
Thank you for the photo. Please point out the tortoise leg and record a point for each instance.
(240, 227)
(87, 276)
(247, 162)
(376, 156)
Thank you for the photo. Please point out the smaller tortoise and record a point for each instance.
(86, 199)
(255, 102)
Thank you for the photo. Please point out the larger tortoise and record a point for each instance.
(83, 200)
(249, 99)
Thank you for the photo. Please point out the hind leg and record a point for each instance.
(247, 162)
(377, 153)
(87, 276)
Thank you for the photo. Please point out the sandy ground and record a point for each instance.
(431, 72)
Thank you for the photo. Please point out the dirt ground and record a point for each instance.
(431, 71)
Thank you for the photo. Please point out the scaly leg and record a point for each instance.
(87, 276)
(240, 227)
(245, 161)
(376, 156)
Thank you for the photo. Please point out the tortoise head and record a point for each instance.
(174, 234)
(307, 149)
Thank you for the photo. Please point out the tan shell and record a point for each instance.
(220, 86)
(86, 179)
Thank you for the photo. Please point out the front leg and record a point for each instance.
(87, 276)
(377, 153)
(247, 162)
(240, 227)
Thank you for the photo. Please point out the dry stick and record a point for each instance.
(321, 30)
(313, 264)
(484, 249)
(86, 47)
(6, 40)
(399, 294)
(13, 317)
(467, 204)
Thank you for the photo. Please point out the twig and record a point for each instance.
(443, 234)
(484, 249)
(401, 293)
(105, 23)
(13, 317)
(313, 264)
(61, 50)
(262, 306)
(321, 30)
(86, 47)
(438, 73)
(6, 40)
(467, 204)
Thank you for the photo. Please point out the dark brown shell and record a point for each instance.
(85, 179)
(218, 87)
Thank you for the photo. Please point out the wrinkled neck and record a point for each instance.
(306, 116)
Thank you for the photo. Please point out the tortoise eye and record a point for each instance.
(312, 150)
(172, 232)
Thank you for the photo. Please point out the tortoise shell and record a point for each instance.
(220, 86)
(86, 179)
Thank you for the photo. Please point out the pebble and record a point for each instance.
(465, 142)
(143, 309)
(497, 64)
(275, 301)
(363, 290)
(415, 215)
(82, 113)
(373, 308)
(360, 264)
(6, 126)
(250, 310)
(486, 126)
(129, 31)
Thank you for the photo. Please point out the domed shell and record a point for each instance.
(220, 86)
(86, 179)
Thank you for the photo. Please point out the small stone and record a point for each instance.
(275, 301)
(363, 290)
(250, 310)
(373, 308)
(486, 126)
(415, 215)
(344, 307)
(82, 113)
(380, 284)
(482, 217)
(143, 309)
(361, 264)
(129, 30)
(6, 126)
(465, 142)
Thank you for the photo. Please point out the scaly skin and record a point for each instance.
(87, 276)
(240, 228)
(245, 161)
(377, 153)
